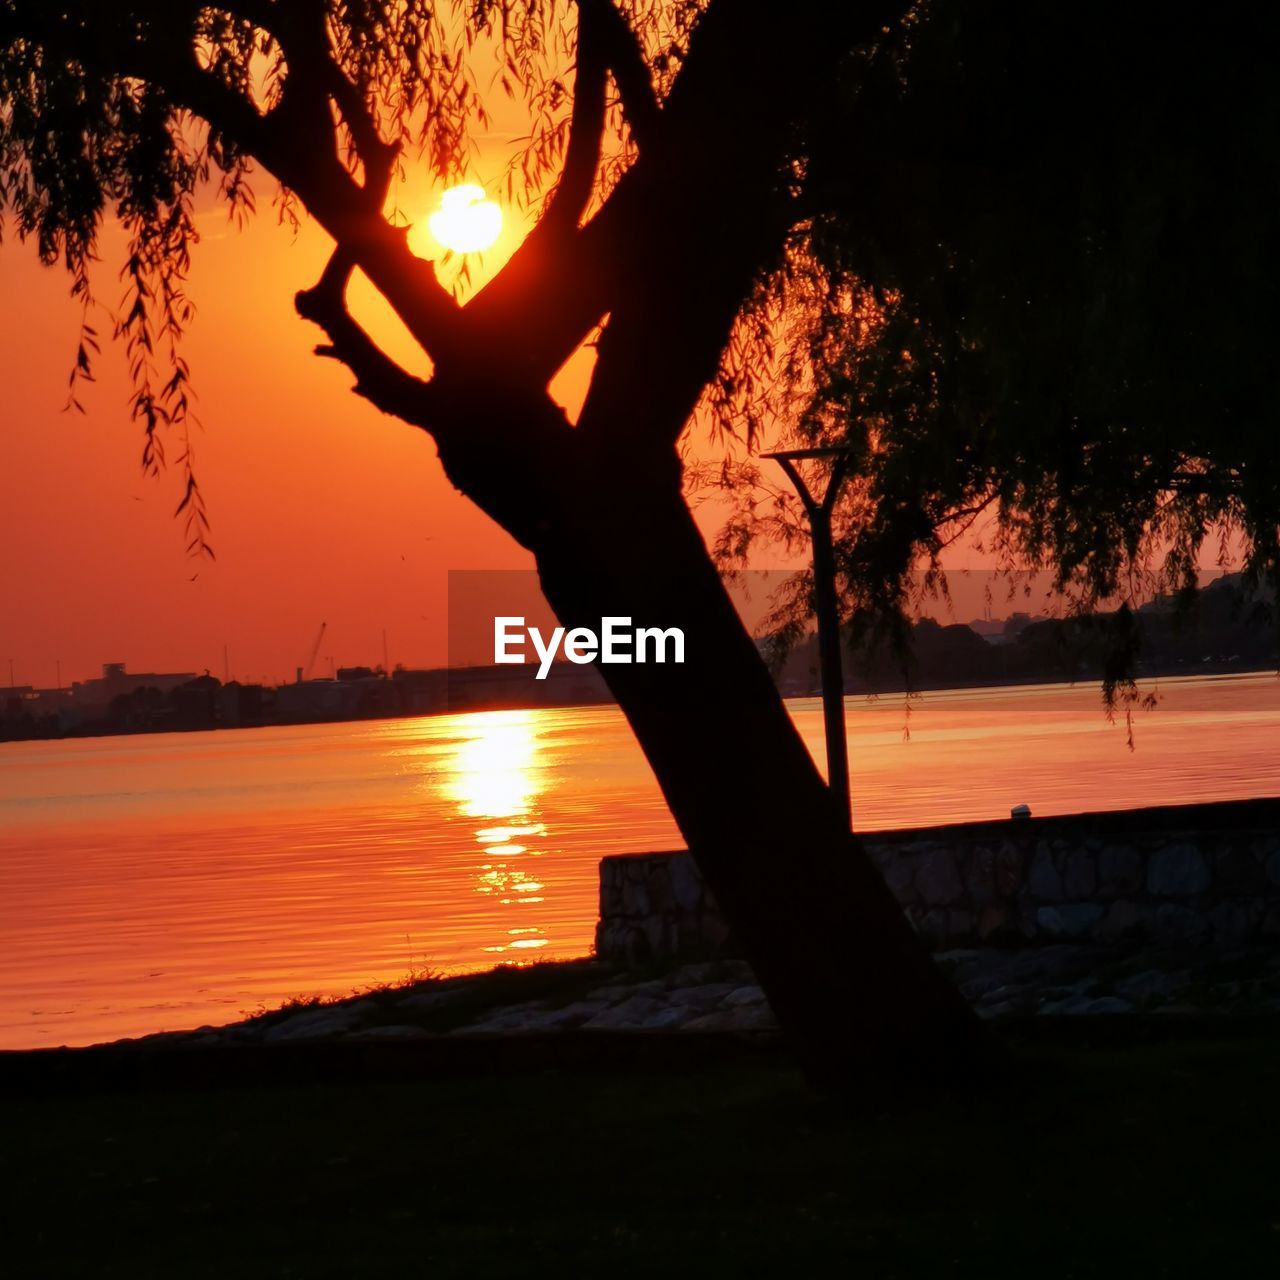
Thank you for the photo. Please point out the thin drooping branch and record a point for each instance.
(155, 41)
(379, 379)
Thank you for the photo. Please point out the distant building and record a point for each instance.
(493, 688)
(421, 693)
(94, 697)
(316, 700)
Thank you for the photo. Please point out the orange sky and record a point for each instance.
(322, 509)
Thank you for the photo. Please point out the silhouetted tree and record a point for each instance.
(1036, 289)
(751, 140)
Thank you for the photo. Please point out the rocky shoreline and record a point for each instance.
(1052, 981)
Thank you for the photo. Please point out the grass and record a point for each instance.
(1152, 1161)
(468, 997)
(463, 998)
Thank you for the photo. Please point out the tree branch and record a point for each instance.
(586, 131)
(521, 308)
(154, 40)
(379, 379)
(310, 55)
(625, 58)
(714, 113)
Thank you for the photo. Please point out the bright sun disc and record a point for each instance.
(467, 220)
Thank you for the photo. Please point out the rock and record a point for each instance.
(668, 1019)
(736, 973)
(570, 1016)
(1070, 920)
(716, 938)
(1235, 921)
(1043, 879)
(1079, 880)
(931, 925)
(1270, 927)
(1180, 924)
(742, 996)
(662, 936)
(696, 975)
(938, 879)
(506, 1020)
(980, 877)
(706, 996)
(633, 947)
(1083, 1005)
(394, 1032)
(1069, 1005)
(1120, 870)
(655, 986)
(609, 994)
(327, 1020)
(1177, 871)
(661, 897)
(1151, 985)
(629, 1015)
(1235, 872)
(993, 921)
(898, 873)
(1014, 994)
(635, 899)
(611, 940)
(686, 882)
(1127, 919)
(426, 1001)
(719, 1020)
(610, 898)
(977, 987)
(1107, 1004)
(999, 1010)
(688, 936)
(1011, 867)
(754, 1017)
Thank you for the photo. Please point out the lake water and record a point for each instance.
(164, 881)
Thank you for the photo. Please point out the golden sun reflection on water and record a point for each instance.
(496, 775)
(493, 767)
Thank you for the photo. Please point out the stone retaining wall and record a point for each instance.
(1202, 874)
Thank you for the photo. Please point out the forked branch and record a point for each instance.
(379, 379)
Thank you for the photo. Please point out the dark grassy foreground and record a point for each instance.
(1149, 1160)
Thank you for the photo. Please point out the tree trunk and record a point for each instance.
(853, 988)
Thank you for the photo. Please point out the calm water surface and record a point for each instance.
(165, 881)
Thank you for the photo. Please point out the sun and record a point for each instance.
(467, 220)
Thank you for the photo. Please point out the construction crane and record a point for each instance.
(304, 673)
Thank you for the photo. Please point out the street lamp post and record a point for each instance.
(824, 591)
